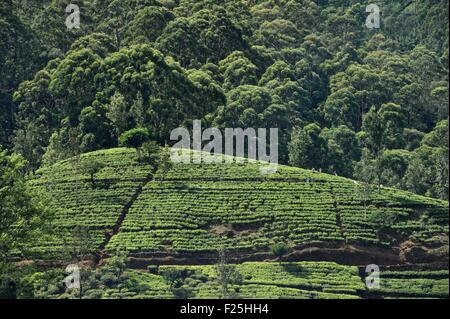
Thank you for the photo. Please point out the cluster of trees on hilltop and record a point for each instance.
(371, 104)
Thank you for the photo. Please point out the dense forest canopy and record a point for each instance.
(371, 104)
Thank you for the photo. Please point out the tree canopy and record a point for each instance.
(332, 86)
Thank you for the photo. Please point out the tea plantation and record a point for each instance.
(185, 215)
(259, 280)
(76, 202)
(200, 208)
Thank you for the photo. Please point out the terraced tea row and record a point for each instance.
(82, 209)
(264, 280)
(404, 217)
(301, 280)
(414, 284)
(246, 215)
(231, 168)
(201, 207)
(119, 163)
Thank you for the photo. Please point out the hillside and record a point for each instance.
(185, 216)
(353, 96)
(295, 280)
(199, 208)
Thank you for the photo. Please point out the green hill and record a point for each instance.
(199, 208)
(184, 216)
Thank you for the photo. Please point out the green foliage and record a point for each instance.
(23, 216)
(79, 206)
(118, 114)
(307, 148)
(237, 70)
(279, 250)
(135, 138)
(343, 150)
(148, 24)
(285, 64)
(95, 283)
(164, 163)
(273, 208)
(364, 104)
(413, 284)
(176, 279)
(227, 276)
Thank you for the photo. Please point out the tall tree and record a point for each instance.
(307, 148)
(22, 215)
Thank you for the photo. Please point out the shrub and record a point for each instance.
(280, 249)
(92, 167)
(135, 138)
(153, 269)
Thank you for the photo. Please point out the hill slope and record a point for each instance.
(195, 209)
(183, 217)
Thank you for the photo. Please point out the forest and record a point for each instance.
(371, 104)
(367, 104)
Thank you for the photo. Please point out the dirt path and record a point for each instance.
(123, 214)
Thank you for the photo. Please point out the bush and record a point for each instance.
(176, 277)
(92, 167)
(135, 138)
(109, 280)
(182, 293)
(7, 288)
(153, 269)
(280, 249)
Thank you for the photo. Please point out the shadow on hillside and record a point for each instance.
(296, 270)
